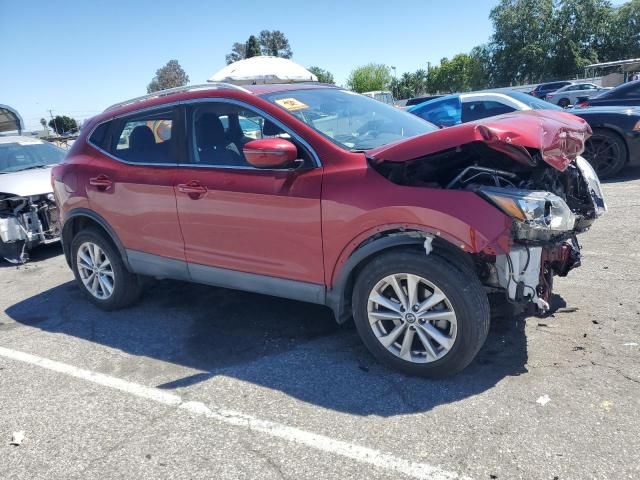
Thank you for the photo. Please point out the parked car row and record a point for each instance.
(615, 139)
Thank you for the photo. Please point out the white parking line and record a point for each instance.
(291, 434)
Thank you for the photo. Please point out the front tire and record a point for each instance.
(563, 102)
(100, 272)
(420, 314)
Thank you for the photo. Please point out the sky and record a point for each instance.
(78, 57)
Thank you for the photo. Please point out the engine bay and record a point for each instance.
(475, 165)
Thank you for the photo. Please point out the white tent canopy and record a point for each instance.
(263, 69)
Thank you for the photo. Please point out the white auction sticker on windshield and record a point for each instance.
(291, 104)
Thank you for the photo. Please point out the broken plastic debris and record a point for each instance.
(606, 405)
(428, 248)
(630, 344)
(543, 400)
(17, 438)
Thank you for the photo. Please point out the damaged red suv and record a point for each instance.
(318, 194)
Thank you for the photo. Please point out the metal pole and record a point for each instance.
(55, 125)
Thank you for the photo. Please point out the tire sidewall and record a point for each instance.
(457, 287)
(621, 159)
(116, 264)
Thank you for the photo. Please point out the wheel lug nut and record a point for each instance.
(415, 308)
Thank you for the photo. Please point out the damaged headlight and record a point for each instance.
(539, 215)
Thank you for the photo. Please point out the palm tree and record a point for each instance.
(43, 122)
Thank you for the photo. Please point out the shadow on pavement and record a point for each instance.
(293, 347)
(38, 254)
(626, 175)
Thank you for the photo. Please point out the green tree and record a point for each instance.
(275, 43)
(370, 77)
(170, 76)
(623, 40)
(521, 41)
(238, 52)
(253, 47)
(324, 76)
(43, 122)
(62, 124)
(578, 31)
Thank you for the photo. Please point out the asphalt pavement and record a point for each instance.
(198, 382)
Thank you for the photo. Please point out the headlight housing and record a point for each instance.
(538, 215)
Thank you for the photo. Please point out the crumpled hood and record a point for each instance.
(27, 182)
(558, 136)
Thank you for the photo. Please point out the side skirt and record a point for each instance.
(157, 266)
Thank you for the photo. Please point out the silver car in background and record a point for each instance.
(572, 94)
(28, 213)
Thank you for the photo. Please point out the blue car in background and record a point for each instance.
(467, 107)
(614, 144)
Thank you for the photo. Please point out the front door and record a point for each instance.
(237, 217)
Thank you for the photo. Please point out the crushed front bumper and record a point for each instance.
(527, 271)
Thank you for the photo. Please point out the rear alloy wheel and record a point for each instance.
(95, 270)
(606, 152)
(100, 271)
(420, 314)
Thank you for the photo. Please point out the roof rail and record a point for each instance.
(171, 91)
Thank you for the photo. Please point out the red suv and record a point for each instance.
(319, 194)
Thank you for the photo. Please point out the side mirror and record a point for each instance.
(270, 153)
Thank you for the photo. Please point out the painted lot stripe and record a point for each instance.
(291, 434)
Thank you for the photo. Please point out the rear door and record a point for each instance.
(237, 217)
(131, 182)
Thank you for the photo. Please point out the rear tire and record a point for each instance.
(564, 102)
(436, 342)
(606, 151)
(100, 272)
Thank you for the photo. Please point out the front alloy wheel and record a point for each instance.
(412, 318)
(420, 314)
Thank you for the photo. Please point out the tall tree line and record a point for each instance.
(534, 41)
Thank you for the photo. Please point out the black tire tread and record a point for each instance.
(462, 287)
(128, 287)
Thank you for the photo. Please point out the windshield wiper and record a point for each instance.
(33, 167)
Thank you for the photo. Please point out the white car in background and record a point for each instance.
(572, 94)
(28, 212)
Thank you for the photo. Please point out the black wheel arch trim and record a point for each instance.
(338, 297)
(91, 215)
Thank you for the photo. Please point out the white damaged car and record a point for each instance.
(28, 213)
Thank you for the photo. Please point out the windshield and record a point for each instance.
(533, 102)
(353, 121)
(18, 156)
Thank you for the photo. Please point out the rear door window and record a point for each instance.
(483, 109)
(145, 138)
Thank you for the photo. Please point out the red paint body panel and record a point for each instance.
(264, 222)
(350, 215)
(559, 137)
(140, 205)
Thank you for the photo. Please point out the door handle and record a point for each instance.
(194, 189)
(102, 182)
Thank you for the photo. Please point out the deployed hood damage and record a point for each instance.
(557, 137)
(526, 164)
